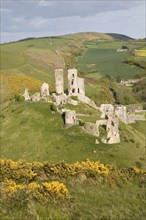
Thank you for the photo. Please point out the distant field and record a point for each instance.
(115, 44)
(107, 61)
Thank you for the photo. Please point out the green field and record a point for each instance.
(107, 61)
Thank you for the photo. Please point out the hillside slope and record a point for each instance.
(120, 36)
(30, 126)
(37, 58)
(30, 131)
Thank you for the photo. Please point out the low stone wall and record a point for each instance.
(88, 101)
(132, 118)
(91, 128)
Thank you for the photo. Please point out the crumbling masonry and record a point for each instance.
(75, 84)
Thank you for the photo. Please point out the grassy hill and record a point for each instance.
(91, 53)
(120, 36)
(31, 132)
(30, 126)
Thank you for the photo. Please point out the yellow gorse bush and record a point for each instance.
(20, 170)
(88, 165)
(17, 83)
(40, 192)
(56, 188)
(79, 167)
(9, 187)
(140, 53)
(36, 180)
(137, 170)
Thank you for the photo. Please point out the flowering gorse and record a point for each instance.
(140, 53)
(137, 170)
(39, 181)
(86, 167)
(56, 188)
(9, 187)
(20, 170)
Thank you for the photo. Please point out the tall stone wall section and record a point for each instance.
(72, 82)
(59, 81)
(81, 86)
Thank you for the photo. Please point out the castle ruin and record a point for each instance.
(110, 114)
(70, 117)
(75, 83)
(59, 81)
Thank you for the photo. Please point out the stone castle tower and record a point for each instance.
(75, 84)
(59, 81)
(72, 82)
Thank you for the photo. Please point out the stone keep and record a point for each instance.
(72, 82)
(45, 90)
(70, 117)
(59, 81)
(75, 83)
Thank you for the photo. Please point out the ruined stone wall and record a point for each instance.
(26, 95)
(75, 83)
(72, 82)
(121, 112)
(60, 99)
(112, 128)
(59, 81)
(81, 87)
(91, 128)
(70, 117)
(44, 90)
(87, 101)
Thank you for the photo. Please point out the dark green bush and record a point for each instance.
(81, 122)
(53, 107)
(19, 98)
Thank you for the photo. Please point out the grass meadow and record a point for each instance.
(31, 132)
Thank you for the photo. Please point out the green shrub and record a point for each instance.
(81, 122)
(19, 98)
(53, 107)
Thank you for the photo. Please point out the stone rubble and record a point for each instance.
(26, 95)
